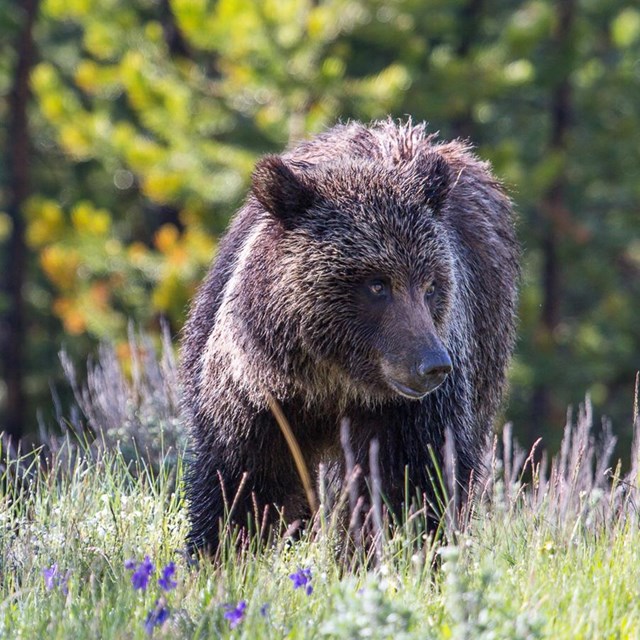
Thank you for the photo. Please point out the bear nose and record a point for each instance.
(432, 368)
(425, 369)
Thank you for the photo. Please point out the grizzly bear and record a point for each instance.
(370, 276)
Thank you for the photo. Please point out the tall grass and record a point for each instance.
(134, 410)
(550, 548)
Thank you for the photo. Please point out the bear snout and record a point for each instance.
(432, 368)
(417, 375)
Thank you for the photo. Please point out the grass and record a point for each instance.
(555, 557)
(522, 568)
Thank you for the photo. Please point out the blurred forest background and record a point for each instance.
(129, 129)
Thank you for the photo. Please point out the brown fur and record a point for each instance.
(365, 262)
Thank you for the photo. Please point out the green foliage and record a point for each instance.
(181, 128)
(102, 283)
(149, 115)
(366, 611)
(477, 606)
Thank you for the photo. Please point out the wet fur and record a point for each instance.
(275, 314)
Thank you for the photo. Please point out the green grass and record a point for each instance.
(557, 558)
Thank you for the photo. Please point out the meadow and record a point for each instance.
(128, 135)
(92, 532)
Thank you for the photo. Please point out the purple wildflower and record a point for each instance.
(142, 573)
(166, 581)
(51, 576)
(264, 610)
(157, 616)
(302, 578)
(235, 615)
(53, 579)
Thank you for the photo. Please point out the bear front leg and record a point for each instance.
(224, 499)
(206, 504)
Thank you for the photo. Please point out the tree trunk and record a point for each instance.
(18, 165)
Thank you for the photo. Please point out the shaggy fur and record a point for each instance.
(365, 262)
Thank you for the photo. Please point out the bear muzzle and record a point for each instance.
(418, 375)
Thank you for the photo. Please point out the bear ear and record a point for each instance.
(436, 179)
(279, 190)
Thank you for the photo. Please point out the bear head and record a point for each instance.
(360, 271)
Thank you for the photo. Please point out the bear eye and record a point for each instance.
(378, 288)
(430, 290)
